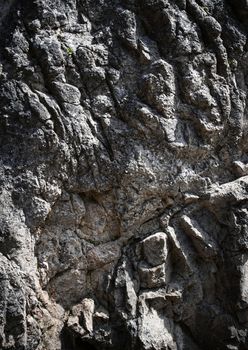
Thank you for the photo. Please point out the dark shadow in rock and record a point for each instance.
(70, 341)
(83, 345)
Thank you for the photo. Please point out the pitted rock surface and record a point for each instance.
(124, 181)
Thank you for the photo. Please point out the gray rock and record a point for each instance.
(152, 277)
(123, 175)
(155, 248)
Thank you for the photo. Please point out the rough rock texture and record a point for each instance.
(124, 174)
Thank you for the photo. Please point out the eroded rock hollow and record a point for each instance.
(124, 175)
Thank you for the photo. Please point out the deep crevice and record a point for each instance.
(71, 341)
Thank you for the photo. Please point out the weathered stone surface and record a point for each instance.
(123, 175)
(152, 277)
(155, 248)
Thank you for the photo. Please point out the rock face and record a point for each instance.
(124, 181)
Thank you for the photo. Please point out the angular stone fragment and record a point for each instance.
(81, 318)
(155, 331)
(88, 307)
(205, 245)
(155, 248)
(67, 93)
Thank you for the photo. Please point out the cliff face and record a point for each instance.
(124, 175)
